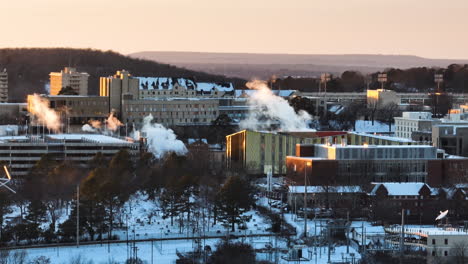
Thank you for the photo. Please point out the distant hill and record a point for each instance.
(246, 65)
(29, 68)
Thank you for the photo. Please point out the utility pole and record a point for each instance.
(402, 235)
(78, 215)
(305, 197)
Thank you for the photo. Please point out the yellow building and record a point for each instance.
(69, 77)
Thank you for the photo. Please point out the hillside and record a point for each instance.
(246, 65)
(28, 69)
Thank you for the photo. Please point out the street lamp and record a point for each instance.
(307, 164)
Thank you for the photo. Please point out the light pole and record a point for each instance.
(307, 164)
(438, 78)
(324, 78)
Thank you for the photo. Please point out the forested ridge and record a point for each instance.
(29, 68)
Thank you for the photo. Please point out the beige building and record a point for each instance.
(116, 87)
(75, 111)
(381, 97)
(3, 86)
(166, 87)
(78, 81)
(171, 111)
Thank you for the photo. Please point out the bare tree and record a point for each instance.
(460, 252)
(387, 113)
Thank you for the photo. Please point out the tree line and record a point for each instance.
(189, 190)
(419, 79)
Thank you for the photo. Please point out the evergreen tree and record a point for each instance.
(233, 200)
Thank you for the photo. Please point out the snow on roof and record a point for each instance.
(167, 83)
(207, 87)
(397, 139)
(367, 127)
(97, 138)
(13, 138)
(196, 140)
(281, 93)
(403, 188)
(323, 189)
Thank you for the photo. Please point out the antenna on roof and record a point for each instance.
(442, 215)
(5, 181)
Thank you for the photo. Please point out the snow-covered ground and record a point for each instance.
(366, 126)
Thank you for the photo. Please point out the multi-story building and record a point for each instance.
(3, 86)
(451, 137)
(170, 112)
(21, 153)
(381, 97)
(116, 87)
(254, 150)
(411, 122)
(69, 77)
(75, 111)
(442, 244)
(166, 87)
(260, 152)
(328, 164)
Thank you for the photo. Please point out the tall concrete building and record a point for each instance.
(3, 86)
(78, 81)
(121, 85)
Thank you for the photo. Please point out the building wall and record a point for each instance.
(76, 110)
(444, 246)
(171, 112)
(451, 138)
(3, 86)
(115, 87)
(78, 81)
(382, 97)
(21, 157)
(262, 151)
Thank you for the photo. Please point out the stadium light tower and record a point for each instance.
(324, 78)
(382, 78)
(438, 78)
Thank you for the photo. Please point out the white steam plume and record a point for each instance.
(268, 109)
(113, 123)
(160, 140)
(39, 107)
(88, 128)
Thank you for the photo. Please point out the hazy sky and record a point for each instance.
(429, 28)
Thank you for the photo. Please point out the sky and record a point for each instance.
(427, 28)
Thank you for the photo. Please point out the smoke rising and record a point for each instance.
(268, 109)
(160, 140)
(113, 123)
(88, 128)
(39, 107)
(95, 124)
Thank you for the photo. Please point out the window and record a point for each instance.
(446, 241)
(433, 242)
(445, 253)
(433, 253)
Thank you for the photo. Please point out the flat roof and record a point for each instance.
(88, 137)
